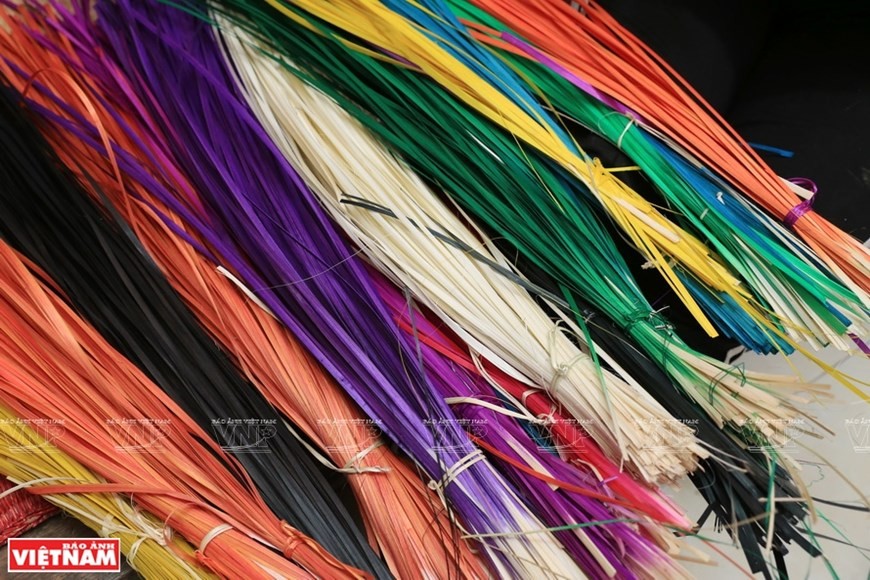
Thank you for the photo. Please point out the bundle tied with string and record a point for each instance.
(564, 434)
(416, 238)
(147, 448)
(502, 185)
(599, 537)
(264, 350)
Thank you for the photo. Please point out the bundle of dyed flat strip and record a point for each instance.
(51, 219)
(271, 358)
(808, 302)
(139, 442)
(401, 225)
(591, 44)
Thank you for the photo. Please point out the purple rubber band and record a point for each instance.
(806, 183)
(798, 211)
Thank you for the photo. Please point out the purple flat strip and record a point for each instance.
(397, 57)
(861, 344)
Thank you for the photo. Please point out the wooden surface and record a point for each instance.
(62, 526)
